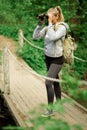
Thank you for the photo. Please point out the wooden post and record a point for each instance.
(6, 71)
(20, 35)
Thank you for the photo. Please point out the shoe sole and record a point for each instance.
(48, 115)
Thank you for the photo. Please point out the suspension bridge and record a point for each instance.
(23, 90)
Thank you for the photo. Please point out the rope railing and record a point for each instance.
(42, 76)
(33, 44)
(77, 58)
(33, 72)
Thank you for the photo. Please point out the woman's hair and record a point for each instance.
(57, 11)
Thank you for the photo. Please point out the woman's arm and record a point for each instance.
(39, 32)
(53, 35)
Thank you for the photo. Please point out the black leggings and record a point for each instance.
(51, 86)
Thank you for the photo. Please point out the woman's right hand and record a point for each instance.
(41, 22)
(50, 17)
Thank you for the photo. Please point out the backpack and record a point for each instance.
(69, 46)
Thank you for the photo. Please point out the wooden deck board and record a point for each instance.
(75, 114)
(28, 92)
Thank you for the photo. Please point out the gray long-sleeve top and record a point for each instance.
(53, 40)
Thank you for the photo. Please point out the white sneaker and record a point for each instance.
(48, 113)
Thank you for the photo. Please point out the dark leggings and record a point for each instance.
(51, 86)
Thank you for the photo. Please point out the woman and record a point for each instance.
(53, 37)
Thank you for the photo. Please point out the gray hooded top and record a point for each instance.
(53, 39)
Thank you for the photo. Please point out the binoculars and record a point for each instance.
(42, 16)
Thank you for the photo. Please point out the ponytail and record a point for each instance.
(60, 14)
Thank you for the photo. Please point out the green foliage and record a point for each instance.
(83, 94)
(49, 123)
(34, 56)
(52, 123)
(9, 31)
(79, 66)
(71, 87)
(13, 128)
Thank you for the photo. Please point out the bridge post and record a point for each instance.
(6, 71)
(20, 35)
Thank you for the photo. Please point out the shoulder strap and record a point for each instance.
(66, 30)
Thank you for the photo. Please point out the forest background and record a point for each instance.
(22, 14)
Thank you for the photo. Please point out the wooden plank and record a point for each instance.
(14, 111)
(76, 103)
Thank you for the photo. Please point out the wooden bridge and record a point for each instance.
(27, 91)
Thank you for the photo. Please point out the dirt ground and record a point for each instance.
(9, 42)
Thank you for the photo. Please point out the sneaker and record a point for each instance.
(48, 113)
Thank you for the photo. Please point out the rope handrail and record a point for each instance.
(33, 72)
(41, 76)
(80, 59)
(33, 44)
(77, 58)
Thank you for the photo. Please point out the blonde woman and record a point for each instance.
(53, 52)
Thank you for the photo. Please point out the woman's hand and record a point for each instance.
(41, 22)
(50, 17)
